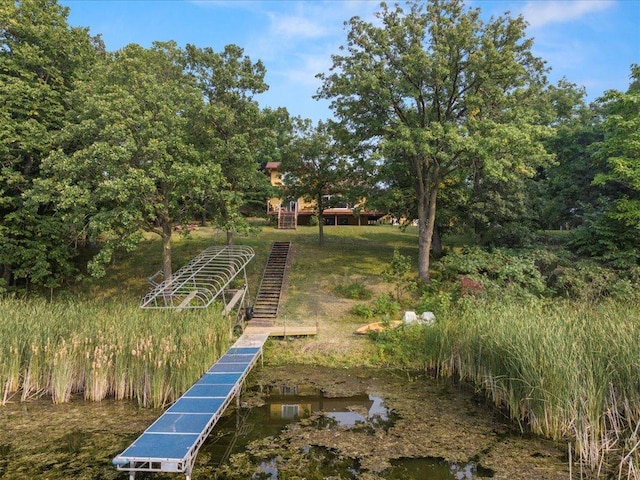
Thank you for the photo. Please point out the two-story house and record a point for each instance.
(293, 212)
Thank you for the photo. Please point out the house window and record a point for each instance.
(287, 390)
(290, 411)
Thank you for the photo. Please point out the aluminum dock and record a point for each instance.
(172, 442)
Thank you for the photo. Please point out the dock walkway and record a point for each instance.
(172, 442)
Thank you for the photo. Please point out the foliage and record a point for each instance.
(566, 185)
(104, 349)
(398, 273)
(126, 161)
(440, 96)
(589, 281)
(499, 271)
(41, 58)
(315, 169)
(354, 290)
(98, 146)
(363, 310)
(383, 306)
(534, 272)
(436, 297)
(231, 131)
(611, 229)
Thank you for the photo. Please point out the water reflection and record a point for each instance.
(286, 405)
(434, 469)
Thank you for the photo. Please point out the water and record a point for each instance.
(297, 422)
(287, 406)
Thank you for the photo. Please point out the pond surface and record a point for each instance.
(302, 422)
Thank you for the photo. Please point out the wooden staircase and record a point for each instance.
(287, 220)
(265, 308)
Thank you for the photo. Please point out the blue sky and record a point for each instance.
(591, 43)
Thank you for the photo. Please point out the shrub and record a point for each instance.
(385, 305)
(497, 271)
(398, 273)
(362, 310)
(588, 281)
(354, 290)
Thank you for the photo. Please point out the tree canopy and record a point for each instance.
(447, 118)
(315, 168)
(99, 147)
(439, 93)
(41, 58)
(610, 225)
(127, 160)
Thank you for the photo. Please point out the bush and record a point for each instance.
(497, 271)
(362, 310)
(588, 281)
(385, 305)
(354, 290)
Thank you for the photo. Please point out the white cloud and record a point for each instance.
(304, 73)
(540, 13)
(296, 27)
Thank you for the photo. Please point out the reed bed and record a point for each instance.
(567, 371)
(105, 349)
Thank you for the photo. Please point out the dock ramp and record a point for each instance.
(172, 442)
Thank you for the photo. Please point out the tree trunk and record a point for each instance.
(424, 243)
(321, 229)
(436, 245)
(427, 193)
(229, 237)
(166, 251)
(7, 275)
(320, 220)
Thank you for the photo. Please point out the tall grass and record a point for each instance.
(104, 349)
(565, 370)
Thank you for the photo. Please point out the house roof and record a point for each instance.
(272, 166)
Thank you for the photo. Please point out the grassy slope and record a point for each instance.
(511, 362)
(349, 254)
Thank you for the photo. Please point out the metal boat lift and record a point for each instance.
(203, 280)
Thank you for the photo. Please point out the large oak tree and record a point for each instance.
(41, 58)
(128, 160)
(440, 94)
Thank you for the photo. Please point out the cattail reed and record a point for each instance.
(105, 350)
(567, 371)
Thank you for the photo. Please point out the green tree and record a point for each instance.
(397, 273)
(40, 59)
(613, 229)
(315, 169)
(232, 132)
(438, 92)
(566, 186)
(128, 161)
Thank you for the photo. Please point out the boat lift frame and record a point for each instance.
(204, 279)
